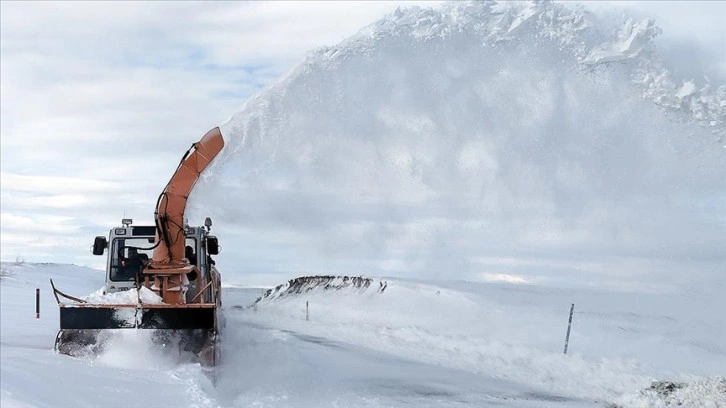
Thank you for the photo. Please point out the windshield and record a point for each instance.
(128, 257)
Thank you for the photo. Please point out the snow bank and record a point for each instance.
(127, 297)
(704, 393)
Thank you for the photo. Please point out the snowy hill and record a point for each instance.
(531, 140)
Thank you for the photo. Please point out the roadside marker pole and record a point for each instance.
(37, 303)
(307, 312)
(569, 325)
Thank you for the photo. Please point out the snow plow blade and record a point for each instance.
(88, 316)
(86, 327)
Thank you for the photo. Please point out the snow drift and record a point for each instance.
(526, 139)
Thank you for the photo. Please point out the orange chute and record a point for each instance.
(169, 214)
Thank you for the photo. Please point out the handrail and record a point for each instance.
(201, 291)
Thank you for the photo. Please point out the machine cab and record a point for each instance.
(130, 248)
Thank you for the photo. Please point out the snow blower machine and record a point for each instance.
(160, 277)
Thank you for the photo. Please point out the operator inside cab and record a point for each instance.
(131, 266)
(192, 257)
(189, 254)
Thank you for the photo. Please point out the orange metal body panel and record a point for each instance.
(168, 264)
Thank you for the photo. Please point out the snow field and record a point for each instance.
(497, 332)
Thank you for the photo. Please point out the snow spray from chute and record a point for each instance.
(392, 151)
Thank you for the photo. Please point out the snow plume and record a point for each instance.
(706, 103)
(478, 139)
(140, 349)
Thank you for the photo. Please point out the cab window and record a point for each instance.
(128, 257)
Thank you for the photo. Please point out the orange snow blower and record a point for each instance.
(159, 277)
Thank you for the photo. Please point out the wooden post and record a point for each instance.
(569, 325)
(37, 303)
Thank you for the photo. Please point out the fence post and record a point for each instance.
(569, 325)
(37, 303)
(307, 312)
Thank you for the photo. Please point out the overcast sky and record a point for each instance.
(99, 100)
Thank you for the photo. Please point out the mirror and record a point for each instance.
(212, 245)
(99, 244)
(208, 223)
